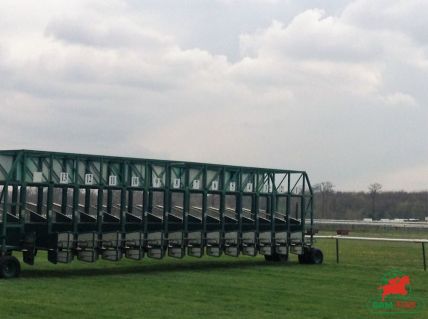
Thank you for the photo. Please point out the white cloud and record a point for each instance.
(399, 99)
(234, 2)
(339, 95)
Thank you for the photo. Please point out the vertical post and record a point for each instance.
(87, 201)
(238, 205)
(100, 201)
(166, 199)
(75, 209)
(186, 201)
(122, 211)
(64, 201)
(147, 199)
(39, 209)
(23, 194)
(256, 200)
(64, 197)
(222, 201)
(303, 209)
(205, 186)
(15, 203)
(423, 256)
(272, 209)
(109, 201)
(311, 202)
(288, 211)
(337, 250)
(49, 207)
(76, 194)
(123, 200)
(130, 201)
(23, 203)
(4, 220)
(50, 199)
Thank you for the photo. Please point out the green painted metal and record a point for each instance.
(423, 257)
(46, 194)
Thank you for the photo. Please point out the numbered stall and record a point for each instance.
(88, 207)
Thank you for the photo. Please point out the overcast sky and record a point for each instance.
(336, 88)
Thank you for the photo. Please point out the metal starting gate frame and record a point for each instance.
(91, 206)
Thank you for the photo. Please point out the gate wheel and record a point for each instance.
(9, 267)
(311, 256)
(316, 256)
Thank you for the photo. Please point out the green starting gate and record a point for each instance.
(92, 206)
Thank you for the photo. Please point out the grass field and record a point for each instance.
(225, 287)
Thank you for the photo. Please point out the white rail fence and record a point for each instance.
(422, 242)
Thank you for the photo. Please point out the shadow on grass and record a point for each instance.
(152, 268)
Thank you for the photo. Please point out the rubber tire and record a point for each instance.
(316, 256)
(9, 267)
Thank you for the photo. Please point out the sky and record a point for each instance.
(336, 88)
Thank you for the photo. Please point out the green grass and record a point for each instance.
(226, 287)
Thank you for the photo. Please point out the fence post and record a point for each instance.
(337, 250)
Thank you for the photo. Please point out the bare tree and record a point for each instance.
(325, 189)
(374, 189)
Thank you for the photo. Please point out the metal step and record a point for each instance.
(130, 218)
(85, 218)
(109, 218)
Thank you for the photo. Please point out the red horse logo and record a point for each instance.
(395, 286)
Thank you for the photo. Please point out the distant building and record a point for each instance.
(370, 219)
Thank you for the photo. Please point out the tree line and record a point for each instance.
(374, 203)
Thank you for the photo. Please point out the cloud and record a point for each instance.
(113, 33)
(341, 95)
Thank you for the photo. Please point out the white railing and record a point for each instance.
(401, 240)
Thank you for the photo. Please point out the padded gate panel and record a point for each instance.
(265, 243)
(86, 245)
(134, 245)
(231, 242)
(195, 244)
(249, 243)
(155, 245)
(176, 244)
(89, 256)
(214, 244)
(281, 243)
